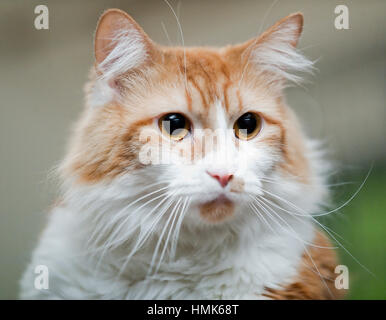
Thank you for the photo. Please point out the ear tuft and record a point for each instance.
(120, 44)
(275, 50)
(288, 29)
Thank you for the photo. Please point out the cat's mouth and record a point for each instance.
(217, 210)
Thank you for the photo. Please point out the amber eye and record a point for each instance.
(247, 126)
(174, 125)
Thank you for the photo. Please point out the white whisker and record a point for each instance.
(178, 228)
(144, 235)
(304, 246)
(294, 214)
(113, 243)
(173, 214)
(112, 222)
(161, 235)
(117, 216)
(182, 39)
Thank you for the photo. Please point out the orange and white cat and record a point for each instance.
(229, 219)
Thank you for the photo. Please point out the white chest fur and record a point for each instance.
(219, 267)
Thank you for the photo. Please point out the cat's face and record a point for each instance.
(208, 125)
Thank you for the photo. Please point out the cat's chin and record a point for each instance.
(217, 210)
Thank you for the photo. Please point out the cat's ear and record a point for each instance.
(275, 53)
(120, 44)
(286, 31)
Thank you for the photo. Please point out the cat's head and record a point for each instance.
(207, 126)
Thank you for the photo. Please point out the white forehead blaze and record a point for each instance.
(221, 116)
(222, 150)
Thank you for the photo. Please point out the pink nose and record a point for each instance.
(222, 179)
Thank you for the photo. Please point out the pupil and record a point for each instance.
(247, 122)
(176, 122)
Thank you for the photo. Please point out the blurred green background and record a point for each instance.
(41, 89)
(360, 228)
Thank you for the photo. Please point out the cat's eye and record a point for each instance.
(174, 125)
(247, 126)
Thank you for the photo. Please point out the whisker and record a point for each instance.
(305, 249)
(182, 39)
(166, 33)
(118, 215)
(144, 235)
(173, 214)
(126, 218)
(280, 182)
(266, 15)
(178, 228)
(338, 235)
(155, 253)
(294, 214)
(323, 227)
(254, 42)
(261, 217)
(331, 211)
(113, 243)
(308, 243)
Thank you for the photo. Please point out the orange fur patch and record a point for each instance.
(105, 146)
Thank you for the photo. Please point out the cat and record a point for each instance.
(226, 219)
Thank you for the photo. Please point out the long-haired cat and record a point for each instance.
(188, 176)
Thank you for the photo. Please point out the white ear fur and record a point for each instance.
(275, 50)
(120, 46)
(128, 53)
